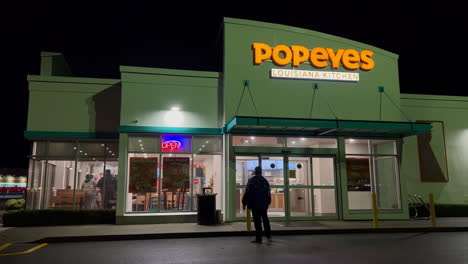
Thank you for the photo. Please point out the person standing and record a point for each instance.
(108, 186)
(257, 197)
(89, 186)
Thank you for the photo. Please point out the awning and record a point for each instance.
(325, 127)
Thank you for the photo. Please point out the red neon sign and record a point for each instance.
(171, 145)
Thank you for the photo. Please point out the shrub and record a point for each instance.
(49, 217)
(14, 204)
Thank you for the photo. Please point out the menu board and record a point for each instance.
(176, 173)
(143, 175)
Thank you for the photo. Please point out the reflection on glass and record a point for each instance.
(143, 144)
(357, 146)
(258, 141)
(307, 142)
(386, 182)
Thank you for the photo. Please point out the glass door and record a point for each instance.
(302, 187)
(274, 172)
(312, 188)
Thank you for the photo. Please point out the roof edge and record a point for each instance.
(304, 31)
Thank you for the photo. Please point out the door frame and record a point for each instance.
(286, 152)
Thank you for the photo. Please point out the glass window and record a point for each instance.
(323, 171)
(277, 206)
(91, 150)
(162, 180)
(324, 202)
(272, 169)
(384, 147)
(301, 202)
(299, 171)
(207, 170)
(39, 148)
(307, 142)
(245, 167)
(260, 141)
(143, 144)
(69, 178)
(112, 151)
(144, 180)
(386, 182)
(62, 149)
(176, 143)
(207, 144)
(374, 171)
(357, 146)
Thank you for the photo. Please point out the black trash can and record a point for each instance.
(206, 208)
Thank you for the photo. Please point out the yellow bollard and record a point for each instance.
(432, 208)
(249, 224)
(375, 219)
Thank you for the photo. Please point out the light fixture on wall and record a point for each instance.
(174, 117)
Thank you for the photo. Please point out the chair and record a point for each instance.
(140, 201)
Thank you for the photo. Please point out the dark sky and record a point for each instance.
(96, 41)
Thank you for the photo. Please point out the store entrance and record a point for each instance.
(302, 187)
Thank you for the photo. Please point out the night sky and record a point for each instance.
(95, 41)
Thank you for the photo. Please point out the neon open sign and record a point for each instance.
(176, 143)
(171, 145)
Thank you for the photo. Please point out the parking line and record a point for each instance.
(26, 251)
(2, 247)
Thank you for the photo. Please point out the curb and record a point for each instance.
(67, 239)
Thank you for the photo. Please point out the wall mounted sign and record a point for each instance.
(314, 75)
(318, 57)
(176, 143)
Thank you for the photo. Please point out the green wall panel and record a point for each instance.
(452, 111)
(148, 95)
(292, 98)
(69, 104)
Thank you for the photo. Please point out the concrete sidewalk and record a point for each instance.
(51, 234)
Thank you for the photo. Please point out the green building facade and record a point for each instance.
(322, 115)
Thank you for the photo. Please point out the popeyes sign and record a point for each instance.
(318, 57)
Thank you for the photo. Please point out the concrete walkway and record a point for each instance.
(50, 234)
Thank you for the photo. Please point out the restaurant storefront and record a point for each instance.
(322, 115)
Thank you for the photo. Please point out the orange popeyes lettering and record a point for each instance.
(300, 55)
(367, 61)
(281, 60)
(262, 52)
(350, 59)
(335, 58)
(319, 57)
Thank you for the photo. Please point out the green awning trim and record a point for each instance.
(324, 127)
(70, 135)
(170, 130)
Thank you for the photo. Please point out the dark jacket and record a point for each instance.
(257, 195)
